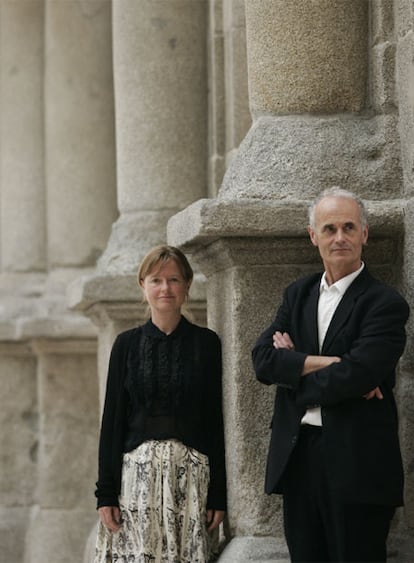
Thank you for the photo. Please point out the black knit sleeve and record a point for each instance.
(110, 448)
(217, 497)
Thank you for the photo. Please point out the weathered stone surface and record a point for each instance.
(19, 426)
(209, 219)
(58, 535)
(68, 391)
(306, 56)
(299, 156)
(13, 527)
(251, 549)
(405, 89)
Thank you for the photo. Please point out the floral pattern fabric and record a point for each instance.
(163, 507)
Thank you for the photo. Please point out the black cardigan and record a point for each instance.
(199, 417)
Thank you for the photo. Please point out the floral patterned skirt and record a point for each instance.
(163, 507)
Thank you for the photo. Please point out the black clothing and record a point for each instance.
(317, 528)
(349, 470)
(360, 437)
(163, 387)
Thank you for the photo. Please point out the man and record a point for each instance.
(332, 351)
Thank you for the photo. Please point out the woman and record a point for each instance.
(162, 483)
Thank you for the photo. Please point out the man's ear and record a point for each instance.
(312, 236)
(365, 235)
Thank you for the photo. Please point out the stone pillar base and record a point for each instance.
(249, 549)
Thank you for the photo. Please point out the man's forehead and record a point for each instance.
(337, 206)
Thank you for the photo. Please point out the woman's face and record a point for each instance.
(165, 289)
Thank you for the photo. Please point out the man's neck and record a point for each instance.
(332, 276)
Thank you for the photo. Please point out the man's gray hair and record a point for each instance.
(336, 191)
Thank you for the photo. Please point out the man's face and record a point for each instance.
(339, 235)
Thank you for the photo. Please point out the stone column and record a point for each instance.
(308, 76)
(228, 111)
(308, 80)
(237, 114)
(80, 135)
(161, 125)
(22, 220)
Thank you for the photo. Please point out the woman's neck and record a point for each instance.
(166, 323)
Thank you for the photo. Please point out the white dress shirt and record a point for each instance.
(329, 299)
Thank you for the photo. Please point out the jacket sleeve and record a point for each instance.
(107, 486)
(217, 496)
(367, 361)
(278, 366)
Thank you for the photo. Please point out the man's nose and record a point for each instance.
(339, 235)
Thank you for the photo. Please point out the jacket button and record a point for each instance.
(294, 440)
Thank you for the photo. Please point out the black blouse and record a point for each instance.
(163, 386)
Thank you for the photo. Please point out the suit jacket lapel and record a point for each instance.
(345, 307)
(310, 316)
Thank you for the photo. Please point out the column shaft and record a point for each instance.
(80, 160)
(161, 102)
(22, 218)
(307, 56)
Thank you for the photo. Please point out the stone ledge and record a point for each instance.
(59, 327)
(207, 220)
(87, 291)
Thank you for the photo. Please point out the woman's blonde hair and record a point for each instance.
(158, 256)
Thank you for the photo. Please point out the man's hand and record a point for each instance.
(283, 340)
(110, 517)
(214, 518)
(312, 363)
(375, 393)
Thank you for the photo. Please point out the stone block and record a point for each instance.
(286, 156)
(58, 535)
(14, 522)
(19, 426)
(250, 549)
(383, 96)
(404, 15)
(405, 91)
(69, 424)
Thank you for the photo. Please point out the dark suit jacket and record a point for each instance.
(360, 436)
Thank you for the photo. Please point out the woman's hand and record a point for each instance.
(214, 518)
(110, 517)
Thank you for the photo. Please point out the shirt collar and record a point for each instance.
(341, 285)
(150, 329)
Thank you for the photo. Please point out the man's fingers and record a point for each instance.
(375, 393)
(282, 340)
